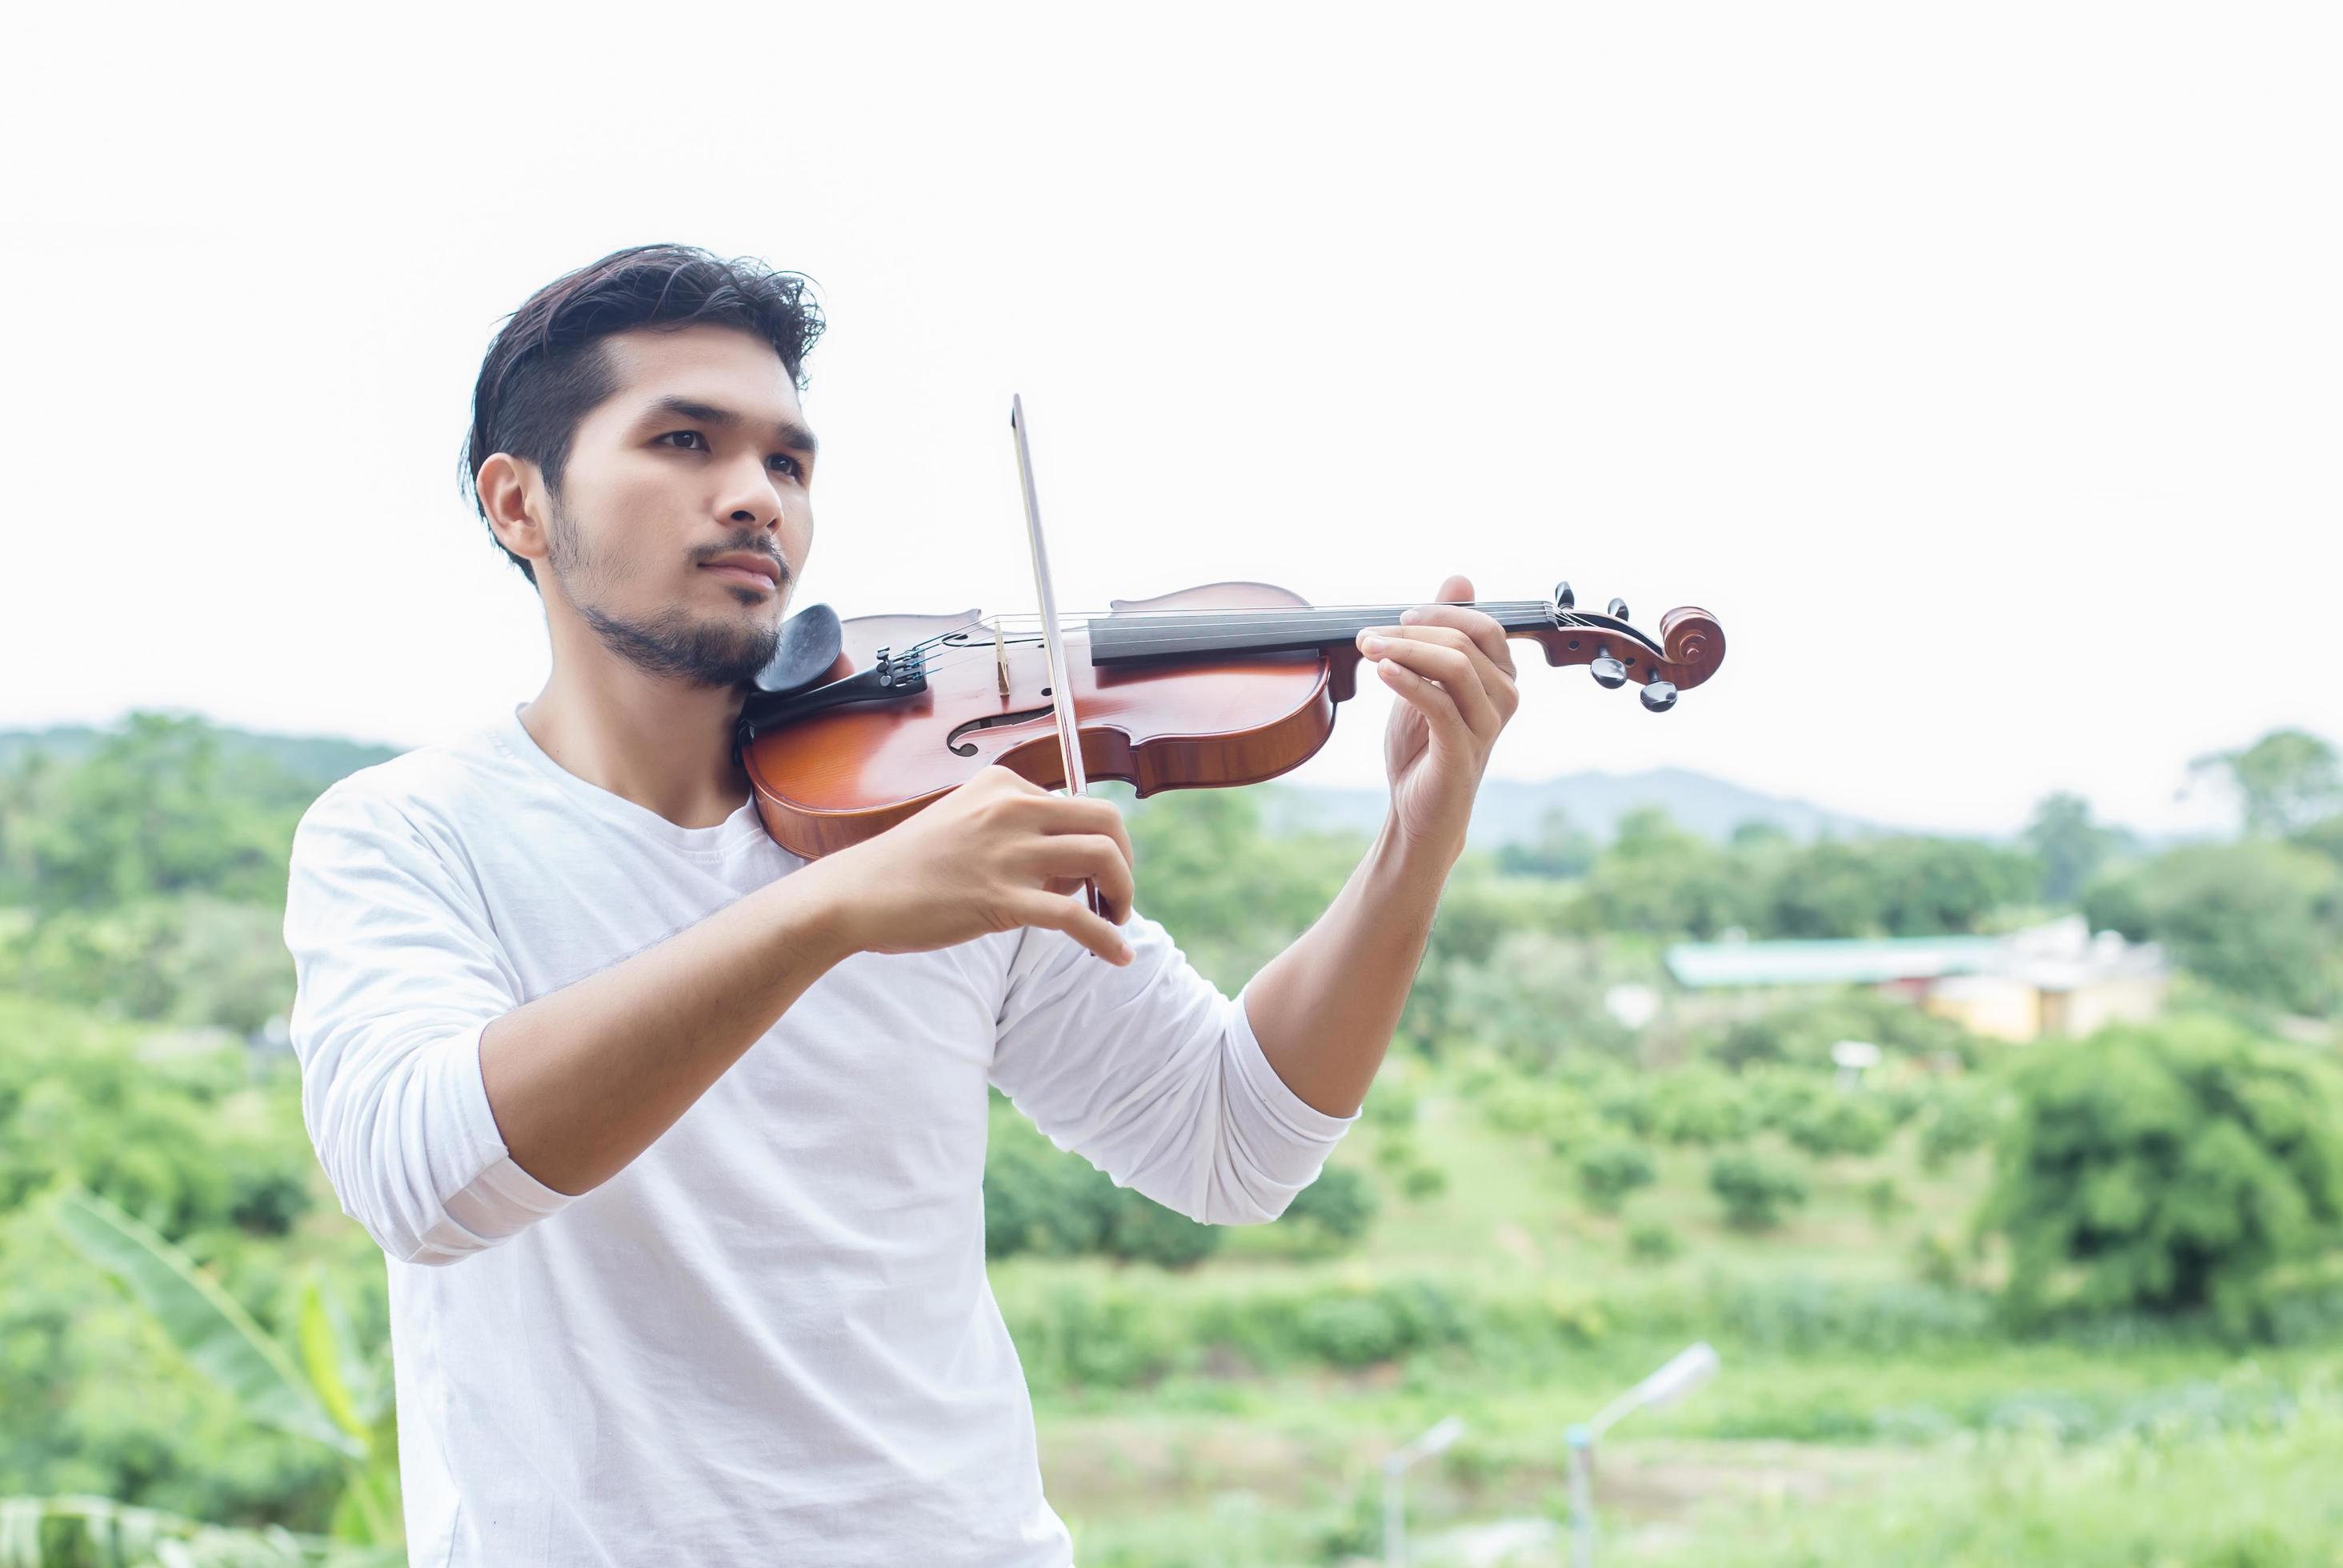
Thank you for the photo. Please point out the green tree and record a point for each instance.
(2285, 781)
(2260, 918)
(2069, 844)
(2166, 1168)
(1656, 877)
(2324, 837)
(159, 809)
(1537, 998)
(1560, 850)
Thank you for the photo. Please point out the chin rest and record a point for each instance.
(809, 645)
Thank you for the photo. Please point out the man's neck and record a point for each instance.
(664, 746)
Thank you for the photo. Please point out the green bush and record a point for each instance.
(1699, 1106)
(1609, 1171)
(2166, 1169)
(1141, 1230)
(1650, 1242)
(1335, 1211)
(1843, 1124)
(1039, 1199)
(1756, 1188)
(1421, 1183)
(1625, 1102)
(1555, 1112)
(1960, 1118)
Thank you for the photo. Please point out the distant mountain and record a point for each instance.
(1510, 810)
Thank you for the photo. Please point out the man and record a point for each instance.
(676, 1141)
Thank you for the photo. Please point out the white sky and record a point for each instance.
(1977, 365)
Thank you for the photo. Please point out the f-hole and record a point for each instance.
(990, 721)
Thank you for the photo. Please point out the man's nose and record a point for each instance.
(749, 494)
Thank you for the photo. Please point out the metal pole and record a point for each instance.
(1582, 1498)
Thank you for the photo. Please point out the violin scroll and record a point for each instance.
(1690, 646)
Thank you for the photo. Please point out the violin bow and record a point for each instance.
(1062, 689)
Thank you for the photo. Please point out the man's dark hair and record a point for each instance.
(547, 368)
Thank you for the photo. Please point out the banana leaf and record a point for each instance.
(215, 1334)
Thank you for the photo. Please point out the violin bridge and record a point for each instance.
(1000, 659)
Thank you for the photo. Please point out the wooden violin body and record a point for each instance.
(1230, 683)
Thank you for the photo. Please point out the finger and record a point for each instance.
(1001, 777)
(1081, 814)
(1068, 860)
(1455, 673)
(1054, 912)
(1478, 625)
(1496, 678)
(1431, 698)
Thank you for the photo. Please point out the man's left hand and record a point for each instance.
(1455, 674)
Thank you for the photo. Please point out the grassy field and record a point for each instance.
(1862, 1415)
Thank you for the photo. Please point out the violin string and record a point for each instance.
(985, 651)
(1311, 617)
(1297, 613)
(1296, 620)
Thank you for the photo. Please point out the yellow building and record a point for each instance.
(2054, 979)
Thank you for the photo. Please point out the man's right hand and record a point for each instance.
(996, 853)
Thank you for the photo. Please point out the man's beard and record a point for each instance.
(671, 644)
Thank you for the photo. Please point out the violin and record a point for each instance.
(855, 725)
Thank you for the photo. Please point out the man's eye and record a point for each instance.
(788, 464)
(688, 435)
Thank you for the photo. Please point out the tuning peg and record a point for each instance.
(1659, 696)
(1618, 610)
(1563, 597)
(1608, 672)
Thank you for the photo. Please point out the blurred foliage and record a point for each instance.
(160, 807)
(2147, 1184)
(2285, 782)
(2262, 919)
(1040, 1200)
(1756, 1188)
(1653, 1241)
(1560, 850)
(203, 1145)
(1841, 1123)
(2170, 1168)
(1610, 1170)
(2069, 846)
(2173, 1494)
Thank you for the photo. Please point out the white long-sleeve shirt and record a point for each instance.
(771, 1338)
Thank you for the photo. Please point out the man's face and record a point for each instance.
(701, 456)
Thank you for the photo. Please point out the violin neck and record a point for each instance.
(1145, 638)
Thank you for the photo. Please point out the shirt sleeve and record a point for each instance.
(1148, 1071)
(398, 972)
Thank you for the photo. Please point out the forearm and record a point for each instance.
(1326, 1008)
(584, 1078)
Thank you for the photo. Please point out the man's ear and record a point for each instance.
(512, 494)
